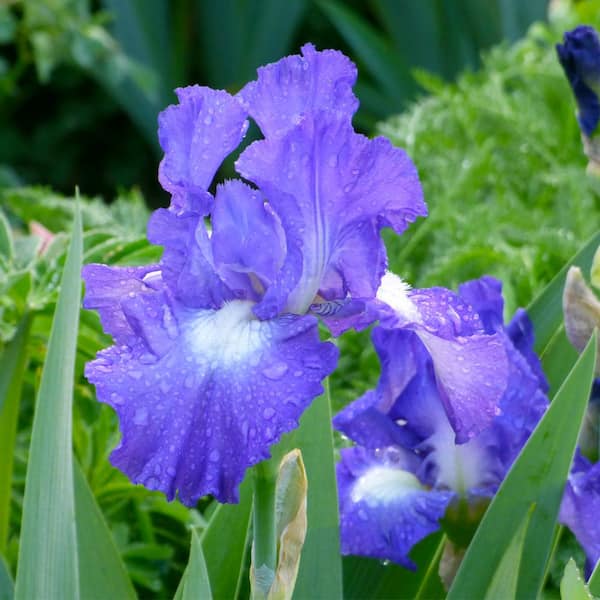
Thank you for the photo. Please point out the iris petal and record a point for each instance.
(384, 508)
(195, 417)
(196, 135)
(324, 180)
(288, 90)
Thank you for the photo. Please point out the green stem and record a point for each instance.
(265, 542)
(12, 368)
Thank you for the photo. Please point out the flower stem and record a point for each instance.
(265, 541)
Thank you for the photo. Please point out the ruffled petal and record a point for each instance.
(444, 313)
(581, 505)
(522, 336)
(248, 242)
(472, 375)
(485, 296)
(322, 179)
(187, 265)
(384, 509)
(196, 135)
(106, 287)
(298, 85)
(197, 414)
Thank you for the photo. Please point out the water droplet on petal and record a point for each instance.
(141, 416)
(275, 371)
(268, 413)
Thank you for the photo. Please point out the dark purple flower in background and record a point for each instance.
(216, 353)
(412, 463)
(579, 55)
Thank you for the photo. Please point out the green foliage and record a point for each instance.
(48, 564)
(533, 487)
(500, 158)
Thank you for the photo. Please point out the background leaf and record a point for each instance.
(536, 480)
(320, 574)
(48, 548)
(13, 362)
(572, 586)
(197, 584)
(101, 571)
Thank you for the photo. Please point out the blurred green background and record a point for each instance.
(81, 82)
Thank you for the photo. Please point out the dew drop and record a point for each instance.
(275, 371)
(214, 456)
(268, 413)
(116, 399)
(140, 417)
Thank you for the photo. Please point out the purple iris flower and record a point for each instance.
(447, 363)
(579, 55)
(216, 351)
(581, 505)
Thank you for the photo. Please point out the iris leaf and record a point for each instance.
(536, 479)
(224, 545)
(320, 574)
(594, 581)
(504, 582)
(12, 368)
(197, 584)
(102, 573)
(48, 563)
(7, 588)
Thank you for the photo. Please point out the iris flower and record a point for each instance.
(216, 349)
(579, 55)
(458, 396)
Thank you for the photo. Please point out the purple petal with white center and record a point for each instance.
(288, 90)
(187, 265)
(106, 287)
(322, 179)
(384, 509)
(581, 505)
(197, 414)
(248, 242)
(196, 135)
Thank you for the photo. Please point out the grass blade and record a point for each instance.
(102, 573)
(536, 479)
(12, 368)
(48, 564)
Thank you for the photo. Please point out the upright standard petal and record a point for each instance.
(248, 241)
(207, 401)
(326, 183)
(288, 90)
(196, 135)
